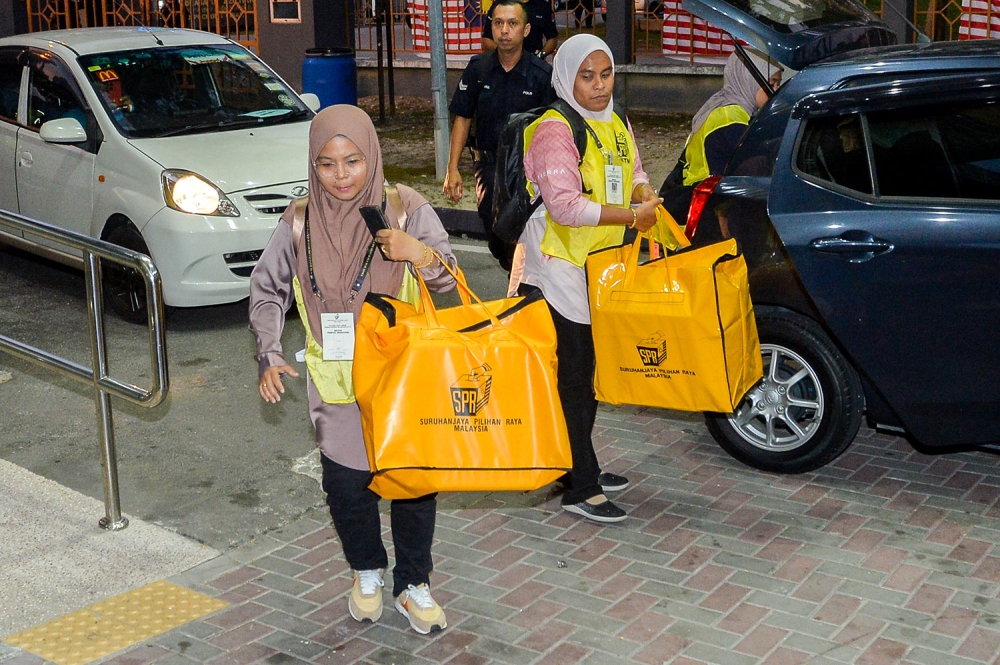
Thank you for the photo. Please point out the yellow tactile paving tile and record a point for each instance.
(115, 624)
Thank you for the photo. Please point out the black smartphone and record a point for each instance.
(374, 219)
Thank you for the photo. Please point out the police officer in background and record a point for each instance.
(494, 85)
(544, 35)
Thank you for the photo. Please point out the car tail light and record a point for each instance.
(699, 198)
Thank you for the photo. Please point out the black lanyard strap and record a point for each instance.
(358, 282)
(593, 135)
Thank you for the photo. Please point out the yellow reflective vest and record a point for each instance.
(333, 378)
(696, 168)
(573, 243)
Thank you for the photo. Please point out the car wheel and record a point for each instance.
(804, 412)
(124, 288)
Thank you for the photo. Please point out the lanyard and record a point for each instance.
(359, 280)
(593, 135)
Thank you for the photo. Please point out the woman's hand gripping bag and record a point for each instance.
(677, 332)
(459, 399)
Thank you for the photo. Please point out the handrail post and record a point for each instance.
(93, 252)
(113, 519)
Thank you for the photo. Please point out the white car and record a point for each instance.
(177, 143)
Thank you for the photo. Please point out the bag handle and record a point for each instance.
(463, 293)
(427, 305)
(662, 215)
(632, 263)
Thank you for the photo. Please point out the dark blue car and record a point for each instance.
(866, 198)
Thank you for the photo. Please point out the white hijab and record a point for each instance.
(566, 64)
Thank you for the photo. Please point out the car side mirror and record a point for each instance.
(63, 130)
(311, 100)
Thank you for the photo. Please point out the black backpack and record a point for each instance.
(511, 204)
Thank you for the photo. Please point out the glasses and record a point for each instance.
(328, 169)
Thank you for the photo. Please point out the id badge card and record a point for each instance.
(338, 335)
(614, 185)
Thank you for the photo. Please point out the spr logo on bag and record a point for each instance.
(652, 350)
(471, 392)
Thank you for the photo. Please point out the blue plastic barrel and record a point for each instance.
(331, 74)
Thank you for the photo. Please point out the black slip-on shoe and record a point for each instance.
(604, 512)
(612, 482)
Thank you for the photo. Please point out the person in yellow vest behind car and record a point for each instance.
(720, 123)
(586, 208)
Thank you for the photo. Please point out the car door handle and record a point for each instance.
(25, 159)
(855, 246)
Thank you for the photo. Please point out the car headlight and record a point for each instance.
(189, 192)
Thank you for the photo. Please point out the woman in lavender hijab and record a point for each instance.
(327, 269)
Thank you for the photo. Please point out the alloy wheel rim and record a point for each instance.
(784, 410)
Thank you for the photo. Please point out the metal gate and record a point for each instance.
(235, 19)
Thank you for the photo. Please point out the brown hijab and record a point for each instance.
(337, 232)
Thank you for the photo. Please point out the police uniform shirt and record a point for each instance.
(489, 94)
(543, 25)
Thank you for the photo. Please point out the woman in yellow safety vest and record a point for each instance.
(587, 206)
(719, 124)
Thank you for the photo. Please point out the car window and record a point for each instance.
(833, 150)
(10, 84)
(51, 94)
(938, 152)
(171, 91)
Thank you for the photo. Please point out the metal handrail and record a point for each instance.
(94, 251)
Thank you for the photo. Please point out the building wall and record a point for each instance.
(6, 19)
(13, 17)
(283, 45)
(648, 88)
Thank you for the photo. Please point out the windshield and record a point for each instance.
(791, 16)
(187, 90)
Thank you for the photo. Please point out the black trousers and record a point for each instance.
(485, 178)
(354, 509)
(575, 378)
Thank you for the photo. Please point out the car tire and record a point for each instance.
(805, 411)
(124, 288)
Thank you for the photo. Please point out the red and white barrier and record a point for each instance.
(685, 34)
(980, 19)
(463, 29)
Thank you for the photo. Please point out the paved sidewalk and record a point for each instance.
(885, 556)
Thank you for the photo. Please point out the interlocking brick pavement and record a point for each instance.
(885, 556)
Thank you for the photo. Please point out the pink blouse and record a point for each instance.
(552, 163)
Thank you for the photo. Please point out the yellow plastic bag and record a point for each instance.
(677, 332)
(459, 399)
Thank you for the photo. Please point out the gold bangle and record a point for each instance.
(426, 259)
(635, 218)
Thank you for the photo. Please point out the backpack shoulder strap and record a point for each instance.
(299, 220)
(576, 123)
(620, 112)
(395, 202)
